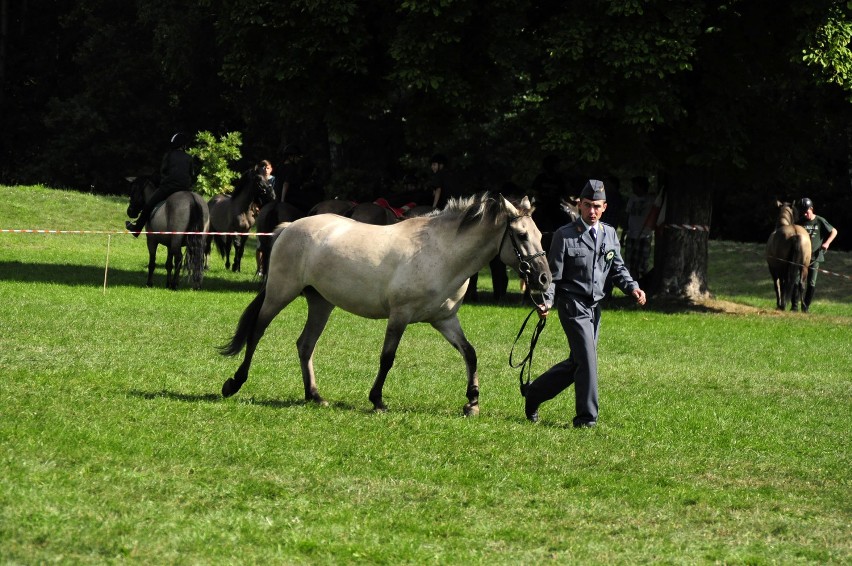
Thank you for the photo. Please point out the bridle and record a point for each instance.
(524, 267)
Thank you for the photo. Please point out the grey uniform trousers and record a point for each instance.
(580, 319)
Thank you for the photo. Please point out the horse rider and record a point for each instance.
(822, 233)
(177, 173)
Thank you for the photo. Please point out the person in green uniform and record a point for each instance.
(822, 234)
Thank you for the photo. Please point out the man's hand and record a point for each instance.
(639, 295)
(542, 311)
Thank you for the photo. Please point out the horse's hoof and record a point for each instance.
(471, 410)
(230, 387)
(316, 399)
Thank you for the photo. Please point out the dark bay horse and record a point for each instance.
(367, 212)
(237, 212)
(182, 212)
(332, 206)
(412, 271)
(788, 254)
(271, 215)
(274, 214)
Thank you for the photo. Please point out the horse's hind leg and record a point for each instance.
(152, 262)
(173, 265)
(393, 334)
(319, 311)
(451, 329)
(253, 324)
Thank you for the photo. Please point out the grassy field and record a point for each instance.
(724, 437)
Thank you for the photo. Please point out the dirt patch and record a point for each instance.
(727, 307)
(708, 305)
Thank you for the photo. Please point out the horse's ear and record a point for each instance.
(508, 206)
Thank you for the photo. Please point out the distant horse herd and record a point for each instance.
(185, 221)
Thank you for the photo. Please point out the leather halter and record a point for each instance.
(524, 267)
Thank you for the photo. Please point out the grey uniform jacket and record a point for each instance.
(580, 268)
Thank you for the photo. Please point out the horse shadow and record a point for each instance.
(76, 275)
(217, 397)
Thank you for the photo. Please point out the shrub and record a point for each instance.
(215, 175)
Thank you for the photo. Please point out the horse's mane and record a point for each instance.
(786, 214)
(482, 207)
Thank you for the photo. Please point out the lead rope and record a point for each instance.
(524, 270)
(526, 363)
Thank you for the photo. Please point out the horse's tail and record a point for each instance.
(220, 242)
(795, 259)
(244, 327)
(195, 245)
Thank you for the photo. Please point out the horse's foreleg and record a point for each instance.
(393, 334)
(239, 248)
(319, 310)
(451, 329)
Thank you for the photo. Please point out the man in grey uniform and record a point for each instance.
(581, 256)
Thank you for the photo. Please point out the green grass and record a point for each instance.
(724, 438)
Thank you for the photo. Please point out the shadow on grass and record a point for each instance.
(175, 396)
(216, 398)
(91, 276)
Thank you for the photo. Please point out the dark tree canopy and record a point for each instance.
(725, 104)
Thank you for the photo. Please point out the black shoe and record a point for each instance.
(132, 228)
(585, 424)
(531, 409)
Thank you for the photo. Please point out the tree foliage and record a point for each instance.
(828, 47)
(216, 156)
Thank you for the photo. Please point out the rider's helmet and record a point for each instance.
(439, 158)
(179, 140)
(804, 204)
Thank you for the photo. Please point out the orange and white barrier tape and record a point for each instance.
(690, 227)
(114, 232)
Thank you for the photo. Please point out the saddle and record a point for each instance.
(398, 212)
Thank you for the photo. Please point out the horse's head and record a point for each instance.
(787, 214)
(138, 186)
(521, 247)
(571, 207)
(261, 189)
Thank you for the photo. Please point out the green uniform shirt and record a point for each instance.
(818, 229)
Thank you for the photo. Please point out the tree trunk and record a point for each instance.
(4, 33)
(680, 256)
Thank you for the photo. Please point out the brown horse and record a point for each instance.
(237, 213)
(788, 254)
(366, 212)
